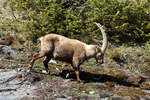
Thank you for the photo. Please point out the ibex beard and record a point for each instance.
(68, 50)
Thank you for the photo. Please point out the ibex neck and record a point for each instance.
(90, 50)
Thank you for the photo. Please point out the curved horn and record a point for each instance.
(105, 41)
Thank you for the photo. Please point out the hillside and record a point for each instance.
(124, 75)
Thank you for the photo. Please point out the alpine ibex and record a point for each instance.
(68, 50)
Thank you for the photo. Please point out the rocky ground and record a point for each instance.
(123, 76)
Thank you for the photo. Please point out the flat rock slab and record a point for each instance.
(13, 85)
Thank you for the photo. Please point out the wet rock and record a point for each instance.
(12, 86)
(6, 50)
(7, 76)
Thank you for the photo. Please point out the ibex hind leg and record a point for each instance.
(45, 62)
(45, 50)
(36, 57)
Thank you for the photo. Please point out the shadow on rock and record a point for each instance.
(87, 77)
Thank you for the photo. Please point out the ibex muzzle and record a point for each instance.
(71, 51)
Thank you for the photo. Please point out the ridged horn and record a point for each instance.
(105, 41)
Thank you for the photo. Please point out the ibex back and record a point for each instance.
(71, 51)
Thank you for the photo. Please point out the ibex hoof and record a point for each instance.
(48, 72)
(79, 81)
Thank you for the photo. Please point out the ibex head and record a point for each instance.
(99, 57)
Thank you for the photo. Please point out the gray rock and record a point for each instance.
(6, 50)
(13, 87)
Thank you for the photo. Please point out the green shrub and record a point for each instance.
(126, 20)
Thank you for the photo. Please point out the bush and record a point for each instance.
(126, 20)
